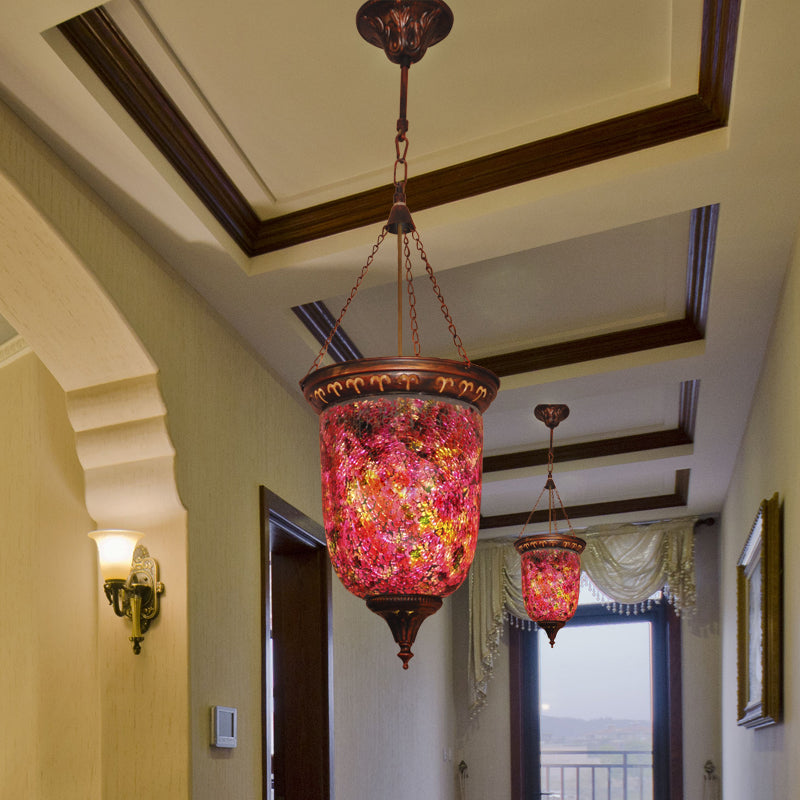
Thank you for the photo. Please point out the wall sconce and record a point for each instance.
(130, 579)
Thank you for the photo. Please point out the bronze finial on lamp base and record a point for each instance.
(404, 615)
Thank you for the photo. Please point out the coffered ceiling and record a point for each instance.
(607, 193)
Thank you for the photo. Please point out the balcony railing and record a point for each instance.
(597, 774)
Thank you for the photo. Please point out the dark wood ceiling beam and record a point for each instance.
(717, 55)
(687, 407)
(106, 50)
(700, 262)
(571, 150)
(678, 498)
(600, 448)
(591, 348)
(702, 243)
(318, 320)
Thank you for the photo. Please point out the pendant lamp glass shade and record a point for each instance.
(401, 448)
(401, 489)
(551, 579)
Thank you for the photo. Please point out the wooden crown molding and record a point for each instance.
(618, 445)
(591, 348)
(13, 349)
(700, 261)
(103, 46)
(111, 56)
(678, 498)
(702, 241)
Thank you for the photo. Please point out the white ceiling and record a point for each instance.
(300, 110)
(564, 65)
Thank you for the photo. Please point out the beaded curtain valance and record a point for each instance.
(625, 566)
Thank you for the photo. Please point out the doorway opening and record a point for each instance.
(296, 654)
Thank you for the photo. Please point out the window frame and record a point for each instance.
(667, 699)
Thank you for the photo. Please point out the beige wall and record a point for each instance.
(764, 763)
(50, 736)
(483, 742)
(233, 428)
(394, 727)
(700, 668)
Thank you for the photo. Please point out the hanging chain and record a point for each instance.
(530, 516)
(550, 485)
(400, 161)
(551, 488)
(400, 179)
(400, 141)
(563, 511)
(349, 300)
(450, 324)
(412, 299)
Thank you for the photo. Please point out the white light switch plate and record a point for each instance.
(223, 726)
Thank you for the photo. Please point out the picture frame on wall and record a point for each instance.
(759, 616)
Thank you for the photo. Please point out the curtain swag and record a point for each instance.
(624, 566)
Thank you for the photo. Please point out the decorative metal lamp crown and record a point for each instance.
(401, 438)
(551, 562)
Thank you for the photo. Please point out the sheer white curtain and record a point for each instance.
(625, 564)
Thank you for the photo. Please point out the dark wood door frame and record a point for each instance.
(296, 609)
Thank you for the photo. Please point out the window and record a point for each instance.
(296, 627)
(635, 752)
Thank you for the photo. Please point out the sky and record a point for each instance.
(597, 671)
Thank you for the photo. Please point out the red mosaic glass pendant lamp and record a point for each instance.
(401, 438)
(551, 562)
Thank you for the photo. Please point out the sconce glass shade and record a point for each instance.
(115, 552)
(551, 578)
(401, 446)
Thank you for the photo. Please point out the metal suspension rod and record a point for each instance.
(399, 293)
(402, 121)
